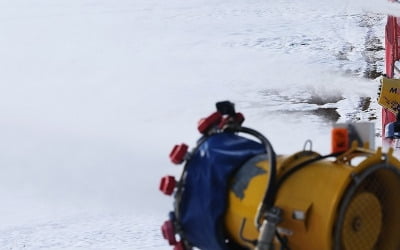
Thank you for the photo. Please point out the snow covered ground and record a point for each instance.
(94, 94)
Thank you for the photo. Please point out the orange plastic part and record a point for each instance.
(340, 140)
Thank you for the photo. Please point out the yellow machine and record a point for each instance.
(326, 204)
(236, 193)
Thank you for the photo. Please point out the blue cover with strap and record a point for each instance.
(204, 198)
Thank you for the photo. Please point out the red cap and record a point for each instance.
(167, 184)
(206, 123)
(167, 230)
(178, 153)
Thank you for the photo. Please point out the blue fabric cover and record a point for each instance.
(204, 198)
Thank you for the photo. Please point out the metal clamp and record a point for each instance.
(268, 228)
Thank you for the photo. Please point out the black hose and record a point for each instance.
(300, 166)
(268, 200)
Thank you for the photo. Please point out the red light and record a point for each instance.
(206, 123)
(178, 153)
(167, 230)
(167, 184)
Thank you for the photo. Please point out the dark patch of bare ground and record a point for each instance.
(373, 46)
(330, 114)
(373, 55)
(327, 114)
(365, 103)
(365, 106)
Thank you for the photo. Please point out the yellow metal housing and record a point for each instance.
(327, 204)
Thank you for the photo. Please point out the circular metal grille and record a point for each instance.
(362, 222)
(369, 215)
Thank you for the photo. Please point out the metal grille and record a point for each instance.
(370, 219)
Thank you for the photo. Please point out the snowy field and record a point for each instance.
(94, 94)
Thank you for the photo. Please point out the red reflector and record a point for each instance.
(206, 123)
(178, 153)
(168, 233)
(167, 184)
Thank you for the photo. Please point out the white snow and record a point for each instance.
(94, 94)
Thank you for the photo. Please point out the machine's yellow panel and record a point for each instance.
(316, 214)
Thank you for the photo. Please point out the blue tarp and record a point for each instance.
(204, 199)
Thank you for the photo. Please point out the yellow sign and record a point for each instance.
(389, 96)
